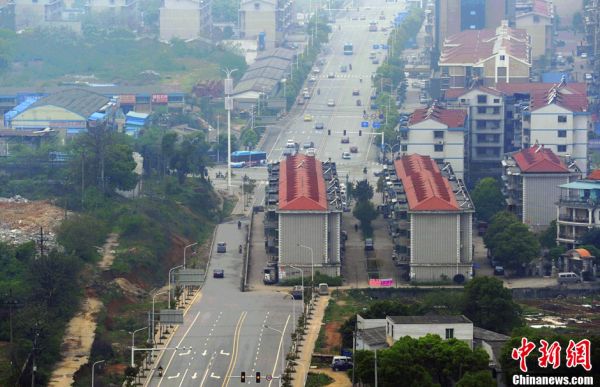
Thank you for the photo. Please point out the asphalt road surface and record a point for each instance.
(226, 328)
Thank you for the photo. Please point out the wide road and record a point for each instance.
(226, 328)
(353, 27)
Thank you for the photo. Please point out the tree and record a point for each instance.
(499, 222)
(477, 379)
(489, 305)
(547, 237)
(81, 234)
(362, 191)
(516, 247)
(487, 198)
(365, 212)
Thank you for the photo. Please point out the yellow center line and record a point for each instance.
(234, 353)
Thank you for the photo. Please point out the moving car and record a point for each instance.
(319, 125)
(346, 156)
(330, 103)
(288, 152)
(308, 117)
(290, 144)
(358, 102)
(343, 68)
(312, 79)
(218, 273)
(353, 149)
(221, 247)
(308, 144)
(331, 75)
(498, 270)
(375, 61)
(311, 152)
(316, 70)
(345, 140)
(369, 244)
(355, 92)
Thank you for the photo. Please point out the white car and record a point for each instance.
(330, 103)
(346, 156)
(290, 144)
(316, 70)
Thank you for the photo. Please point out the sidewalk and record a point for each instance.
(308, 344)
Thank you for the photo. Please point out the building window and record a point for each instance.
(502, 57)
(562, 133)
(496, 100)
(463, 100)
(496, 110)
(404, 148)
(480, 124)
(438, 147)
(561, 148)
(481, 109)
(256, 5)
(482, 98)
(449, 333)
(562, 118)
(438, 134)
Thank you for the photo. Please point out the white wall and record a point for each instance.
(462, 331)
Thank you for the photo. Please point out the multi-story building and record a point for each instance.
(537, 18)
(46, 13)
(592, 29)
(430, 217)
(437, 132)
(447, 327)
(531, 180)
(270, 17)
(125, 11)
(578, 209)
(186, 19)
(453, 16)
(7, 14)
(485, 57)
(303, 215)
(486, 135)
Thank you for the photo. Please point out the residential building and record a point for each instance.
(454, 16)
(269, 17)
(592, 30)
(537, 18)
(430, 218)
(485, 57)
(531, 179)
(486, 137)
(67, 112)
(578, 209)
(303, 215)
(437, 132)
(122, 11)
(185, 19)
(447, 327)
(491, 342)
(370, 333)
(7, 15)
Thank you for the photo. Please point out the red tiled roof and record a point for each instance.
(529, 88)
(539, 7)
(537, 159)
(571, 96)
(301, 184)
(583, 253)
(473, 46)
(452, 118)
(595, 175)
(426, 189)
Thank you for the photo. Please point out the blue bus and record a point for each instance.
(348, 49)
(249, 157)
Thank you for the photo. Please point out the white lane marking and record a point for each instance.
(195, 375)
(185, 353)
(174, 376)
(280, 348)
(183, 378)
(225, 353)
(204, 353)
(212, 375)
(207, 369)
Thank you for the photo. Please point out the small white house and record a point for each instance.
(447, 327)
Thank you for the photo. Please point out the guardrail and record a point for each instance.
(246, 256)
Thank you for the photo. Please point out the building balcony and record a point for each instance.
(574, 219)
(575, 202)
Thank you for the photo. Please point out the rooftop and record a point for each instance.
(538, 7)
(537, 159)
(79, 101)
(561, 96)
(301, 184)
(430, 319)
(373, 336)
(452, 118)
(473, 47)
(426, 189)
(595, 175)
(459, 92)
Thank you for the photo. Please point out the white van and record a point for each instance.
(569, 277)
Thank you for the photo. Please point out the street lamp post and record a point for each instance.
(170, 271)
(278, 349)
(93, 368)
(153, 301)
(312, 265)
(184, 251)
(228, 106)
(302, 279)
(133, 343)
(293, 310)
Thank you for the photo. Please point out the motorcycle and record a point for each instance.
(239, 224)
(240, 249)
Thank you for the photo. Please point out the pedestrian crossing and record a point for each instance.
(344, 76)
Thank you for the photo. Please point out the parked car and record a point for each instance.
(289, 152)
(499, 270)
(221, 247)
(319, 125)
(290, 143)
(565, 278)
(218, 273)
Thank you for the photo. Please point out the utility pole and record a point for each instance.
(36, 335)
(228, 106)
(375, 367)
(354, 345)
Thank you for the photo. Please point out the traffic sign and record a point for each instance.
(269, 377)
(364, 124)
(376, 125)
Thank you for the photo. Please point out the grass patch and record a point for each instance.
(318, 380)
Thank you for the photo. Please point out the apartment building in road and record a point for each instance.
(578, 209)
(430, 218)
(537, 18)
(437, 132)
(485, 57)
(185, 19)
(271, 17)
(531, 179)
(303, 215)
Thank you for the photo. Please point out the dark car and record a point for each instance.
(221, 247)
(308, 144)
(354, 149)
(319, 125)
(498, 270)
(345, 140)
(341, 365)
(379, 173)
(218, 273)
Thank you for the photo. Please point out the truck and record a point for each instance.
(270, 274)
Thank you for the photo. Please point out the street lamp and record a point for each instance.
(312, 265)
(228, 106)
(133, 343)
(284, 81)
(170, 271)
(293, 308)
(278, 349)
(93, 367)
(302, 276)
(184, 251)
(153, 301)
